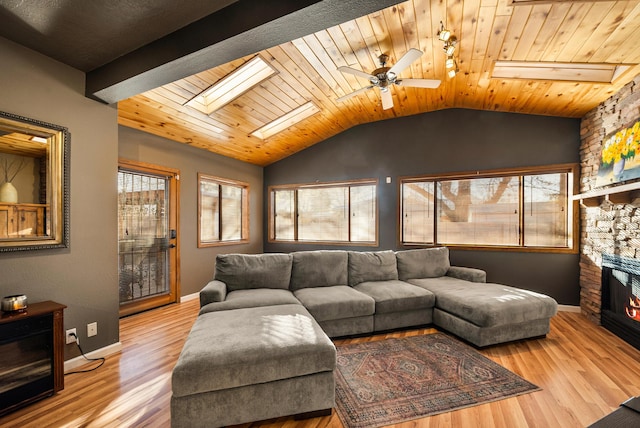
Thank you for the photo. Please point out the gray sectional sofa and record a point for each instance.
(297, 301)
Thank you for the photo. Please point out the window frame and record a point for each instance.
(573, 234)
(295, 187)
(244, 211)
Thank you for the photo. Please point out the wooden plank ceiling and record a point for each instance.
(488, 30)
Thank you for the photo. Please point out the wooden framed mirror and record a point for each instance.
(34, 184)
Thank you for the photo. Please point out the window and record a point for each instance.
(525, 208)
(223, 210)
(330, 212)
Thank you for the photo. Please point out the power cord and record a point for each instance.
(101, 359)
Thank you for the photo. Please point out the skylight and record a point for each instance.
(573, 72)
(232, 85)
(287, 120)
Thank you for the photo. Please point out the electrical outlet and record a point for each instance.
(92, 329)
(71, 338)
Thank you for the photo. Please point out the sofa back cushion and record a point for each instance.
(423, 263)
(245, 271)
(372, 266)
(322, 268)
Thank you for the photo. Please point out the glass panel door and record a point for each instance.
(145, 240)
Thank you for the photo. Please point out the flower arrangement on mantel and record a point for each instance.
(624, 144)
(11, 168)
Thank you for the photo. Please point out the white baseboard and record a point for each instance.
(569, 308)
(98, 353)
(188, 297)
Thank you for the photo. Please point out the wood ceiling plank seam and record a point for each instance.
(186, 88)
(245, 123)
(196, 82)
(588, 25)
(339, 39)
(190, 117)
(281, 89)
(473, 83)
(604, 30)
(486, 15)
(427, 44)
(550, 27)
(531, 30)
(254, 105)
(634, 58)
(295, 65)
(371, 47)
(179, 95)
(616, 49)
(569, 26)
(494, 46)
(265, 100)
(468, 32)
(398, 47)
(504, 8)
(438, 14)
(514, 31)
(330, 66)
(168, 95)
(356, 41)
(501, 102)
(315, 69)
(172, 132)
(455, 13)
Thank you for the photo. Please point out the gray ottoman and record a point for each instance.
(485, 313)
(252, 364)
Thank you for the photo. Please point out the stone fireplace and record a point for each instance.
(609, 222)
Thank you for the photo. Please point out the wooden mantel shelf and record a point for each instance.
(618, 195)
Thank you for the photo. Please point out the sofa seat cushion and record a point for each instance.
(396, 296)
(423, 263)
(252, 298)
(486, 304)
(266, 344)
(245, 271)
(321, 268)
(337, 302)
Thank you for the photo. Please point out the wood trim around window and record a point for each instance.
(327, 184)
(244, 211)
(574, 216)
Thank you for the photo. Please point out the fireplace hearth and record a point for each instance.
(620, 312)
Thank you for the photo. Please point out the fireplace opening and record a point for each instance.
(620, 312)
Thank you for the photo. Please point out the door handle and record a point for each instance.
(172, 245)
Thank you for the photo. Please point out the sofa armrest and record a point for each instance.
(468, 274)
(214, 291)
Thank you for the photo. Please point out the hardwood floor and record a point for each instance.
(584, 371)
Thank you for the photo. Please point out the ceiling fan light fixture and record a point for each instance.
(450, 62)
(443, 33)
(452, 73)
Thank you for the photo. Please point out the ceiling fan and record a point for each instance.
(385, 76)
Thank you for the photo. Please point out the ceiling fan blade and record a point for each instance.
(419, 83)
(406, 60)
(355, 72)
(354, 93)
(387, 99)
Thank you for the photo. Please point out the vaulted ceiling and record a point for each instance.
(580, 32)
(307, 70)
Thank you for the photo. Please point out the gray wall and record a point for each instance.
(453, 140)
(197, 264)
(84, 276)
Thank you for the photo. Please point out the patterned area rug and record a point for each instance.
(395, 380)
